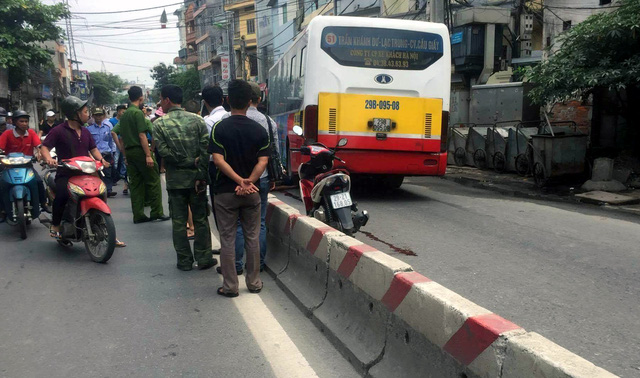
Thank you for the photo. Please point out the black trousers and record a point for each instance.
(62, 197)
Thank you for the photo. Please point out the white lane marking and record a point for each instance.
(283, 355)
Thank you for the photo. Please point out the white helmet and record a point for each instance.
(50, 113)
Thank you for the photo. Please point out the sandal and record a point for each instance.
(220, 291)
(55, 234)
(256, 291)
(120, 244)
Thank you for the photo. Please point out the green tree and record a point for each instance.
(162, 73)
(25, 24)
(602, 53)
(189, 81)
(105, 86)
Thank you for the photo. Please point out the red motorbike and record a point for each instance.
(87, 218)
(326, 191)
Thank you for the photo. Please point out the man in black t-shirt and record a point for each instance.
(240, 149)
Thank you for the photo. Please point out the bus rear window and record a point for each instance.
(381, 48)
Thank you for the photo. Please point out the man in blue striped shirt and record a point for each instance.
(101, 132)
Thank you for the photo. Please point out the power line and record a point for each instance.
(119, 64)
(125, 49)
(129, 10)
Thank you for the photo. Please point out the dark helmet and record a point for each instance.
(20, 113)
(3, 112)
(71, 105)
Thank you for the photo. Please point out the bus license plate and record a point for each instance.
(382, 125)
(341, 200)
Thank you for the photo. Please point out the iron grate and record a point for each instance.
(427, 125)
(333, 126)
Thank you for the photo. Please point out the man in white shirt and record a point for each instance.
(213, 99)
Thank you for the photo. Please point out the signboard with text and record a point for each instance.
(224, 65)
(382, 48)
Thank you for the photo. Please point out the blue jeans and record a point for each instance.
(264, 192)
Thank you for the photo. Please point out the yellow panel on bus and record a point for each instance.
(364, 115)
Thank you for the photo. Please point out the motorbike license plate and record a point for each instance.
(382, 125)
(341, 200)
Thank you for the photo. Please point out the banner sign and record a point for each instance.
(382, 48)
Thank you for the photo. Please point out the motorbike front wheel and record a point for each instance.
(100, 247)
(21, 218)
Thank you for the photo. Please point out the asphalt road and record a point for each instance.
(62, 315)
(569, 272)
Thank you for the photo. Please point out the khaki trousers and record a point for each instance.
(230, 208)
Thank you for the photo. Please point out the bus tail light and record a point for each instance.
(311, 123)
(444, 131)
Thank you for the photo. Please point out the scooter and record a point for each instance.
(326, 191)
(19, 177)
(87, 217)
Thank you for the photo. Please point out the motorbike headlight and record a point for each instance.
(76, 189)
(344, 178)
(103, 188)
(87, 167)
(5, 161)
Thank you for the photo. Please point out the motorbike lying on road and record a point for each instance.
(87, 217)
(326, 191)
(19, 178)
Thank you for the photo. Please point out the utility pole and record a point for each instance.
(72, 45)
(243, 57)
(232, 52)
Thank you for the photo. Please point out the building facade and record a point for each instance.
(244, 38)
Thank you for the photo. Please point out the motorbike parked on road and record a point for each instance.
(19, 178)
(326, 192)
(87, 217)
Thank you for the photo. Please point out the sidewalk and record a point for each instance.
(512, 184)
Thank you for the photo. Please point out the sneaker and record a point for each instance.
(112, 194)
(125, 192)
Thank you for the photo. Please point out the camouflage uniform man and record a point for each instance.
(182, 141)
(142, 170)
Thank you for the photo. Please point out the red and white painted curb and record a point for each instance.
(483, 342)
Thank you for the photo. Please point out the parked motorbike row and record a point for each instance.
(87, 217)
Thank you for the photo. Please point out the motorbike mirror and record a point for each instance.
(342, 142)
(297, 130)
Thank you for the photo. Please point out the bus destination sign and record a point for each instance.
(382, 48)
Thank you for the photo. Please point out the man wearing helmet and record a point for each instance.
(70, 140)
(25, 140)
(3, 120)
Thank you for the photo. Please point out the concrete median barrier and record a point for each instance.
(391, 321)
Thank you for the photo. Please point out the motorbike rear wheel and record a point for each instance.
(21, 218)
(103, 243)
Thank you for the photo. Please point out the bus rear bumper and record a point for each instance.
(393, 162)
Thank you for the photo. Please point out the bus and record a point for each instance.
(379, 85)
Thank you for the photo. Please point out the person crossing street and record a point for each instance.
(182, 141)
(142, 170)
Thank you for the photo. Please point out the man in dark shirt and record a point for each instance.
(240, 149)
(70, 140)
